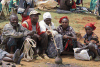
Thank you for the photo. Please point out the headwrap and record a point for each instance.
(46, 15)
(63, 18)
(91, 25)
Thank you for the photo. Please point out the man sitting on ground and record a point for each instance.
(32, 25)
(14, 34)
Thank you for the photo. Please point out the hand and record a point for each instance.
(65, 36)
(78, 51)
(49, 32)
(31, 33)
(38, 36)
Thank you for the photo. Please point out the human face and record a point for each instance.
(34, 18)
(47, 21)
(88, 30)
(14, 21)
(65, 23)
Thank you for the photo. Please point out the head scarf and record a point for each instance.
(91, 25)
(63, 18)
(46, 15)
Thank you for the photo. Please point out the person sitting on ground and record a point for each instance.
(91, 41)
(16, 57)
(24, 8)
(68, 34)
(47, 27)
(33, 25)
(66, 4)
(13, 34)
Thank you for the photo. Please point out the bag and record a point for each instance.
(83, 55)
(28, 51)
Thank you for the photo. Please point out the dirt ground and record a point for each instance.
(69, 59)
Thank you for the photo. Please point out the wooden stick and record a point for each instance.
(53, 38)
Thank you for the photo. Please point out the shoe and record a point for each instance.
(97, 58)
(20, 58)
(45, 56)
(90, 57)
(37, 57)
(16, 55)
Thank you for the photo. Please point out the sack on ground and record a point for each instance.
(83, 55)
(28, 51)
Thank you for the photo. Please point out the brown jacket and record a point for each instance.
(66, 4)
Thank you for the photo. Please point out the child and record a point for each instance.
(91, 41)
(16, 57)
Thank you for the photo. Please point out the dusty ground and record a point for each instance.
(69, 59)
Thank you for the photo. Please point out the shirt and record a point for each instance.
(69, 30)
(8, 31)
(44, 26)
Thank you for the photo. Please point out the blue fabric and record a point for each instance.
(0, 6)
(92, 4)
(99, 9)
(17, 42)
(12, 5)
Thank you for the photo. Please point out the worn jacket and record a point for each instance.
(9, 31)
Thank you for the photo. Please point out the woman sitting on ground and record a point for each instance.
(91, 41)
(68, 33)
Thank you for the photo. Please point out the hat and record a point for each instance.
(63, 18)
(91, 25)
(46, 15)
(34, 12)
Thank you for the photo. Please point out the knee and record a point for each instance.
(44, 35)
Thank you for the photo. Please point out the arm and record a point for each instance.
(10, 32)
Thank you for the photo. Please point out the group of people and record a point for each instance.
(44, 34)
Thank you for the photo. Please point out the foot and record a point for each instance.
(16, 55)
(97, 58)
(37, 57)
(45, 56)
(20, 58)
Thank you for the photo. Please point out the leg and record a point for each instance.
(11, 44)
(94, 50)
(44, 41)
(7, 59)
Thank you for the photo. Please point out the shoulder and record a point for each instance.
(70, 28)
(42, 23)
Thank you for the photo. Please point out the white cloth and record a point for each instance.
(44, 26)
(46, 15)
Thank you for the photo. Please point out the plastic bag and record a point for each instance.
(83, 55)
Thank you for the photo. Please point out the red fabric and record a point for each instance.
(58, 1)
(67, 44)
(25, 18)
(74, 5)
(30, 26)
(91, 25)
(63, 18)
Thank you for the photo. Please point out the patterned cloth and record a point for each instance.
(8, 31)
(88, 38)
(51, 50)
(69, 31)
